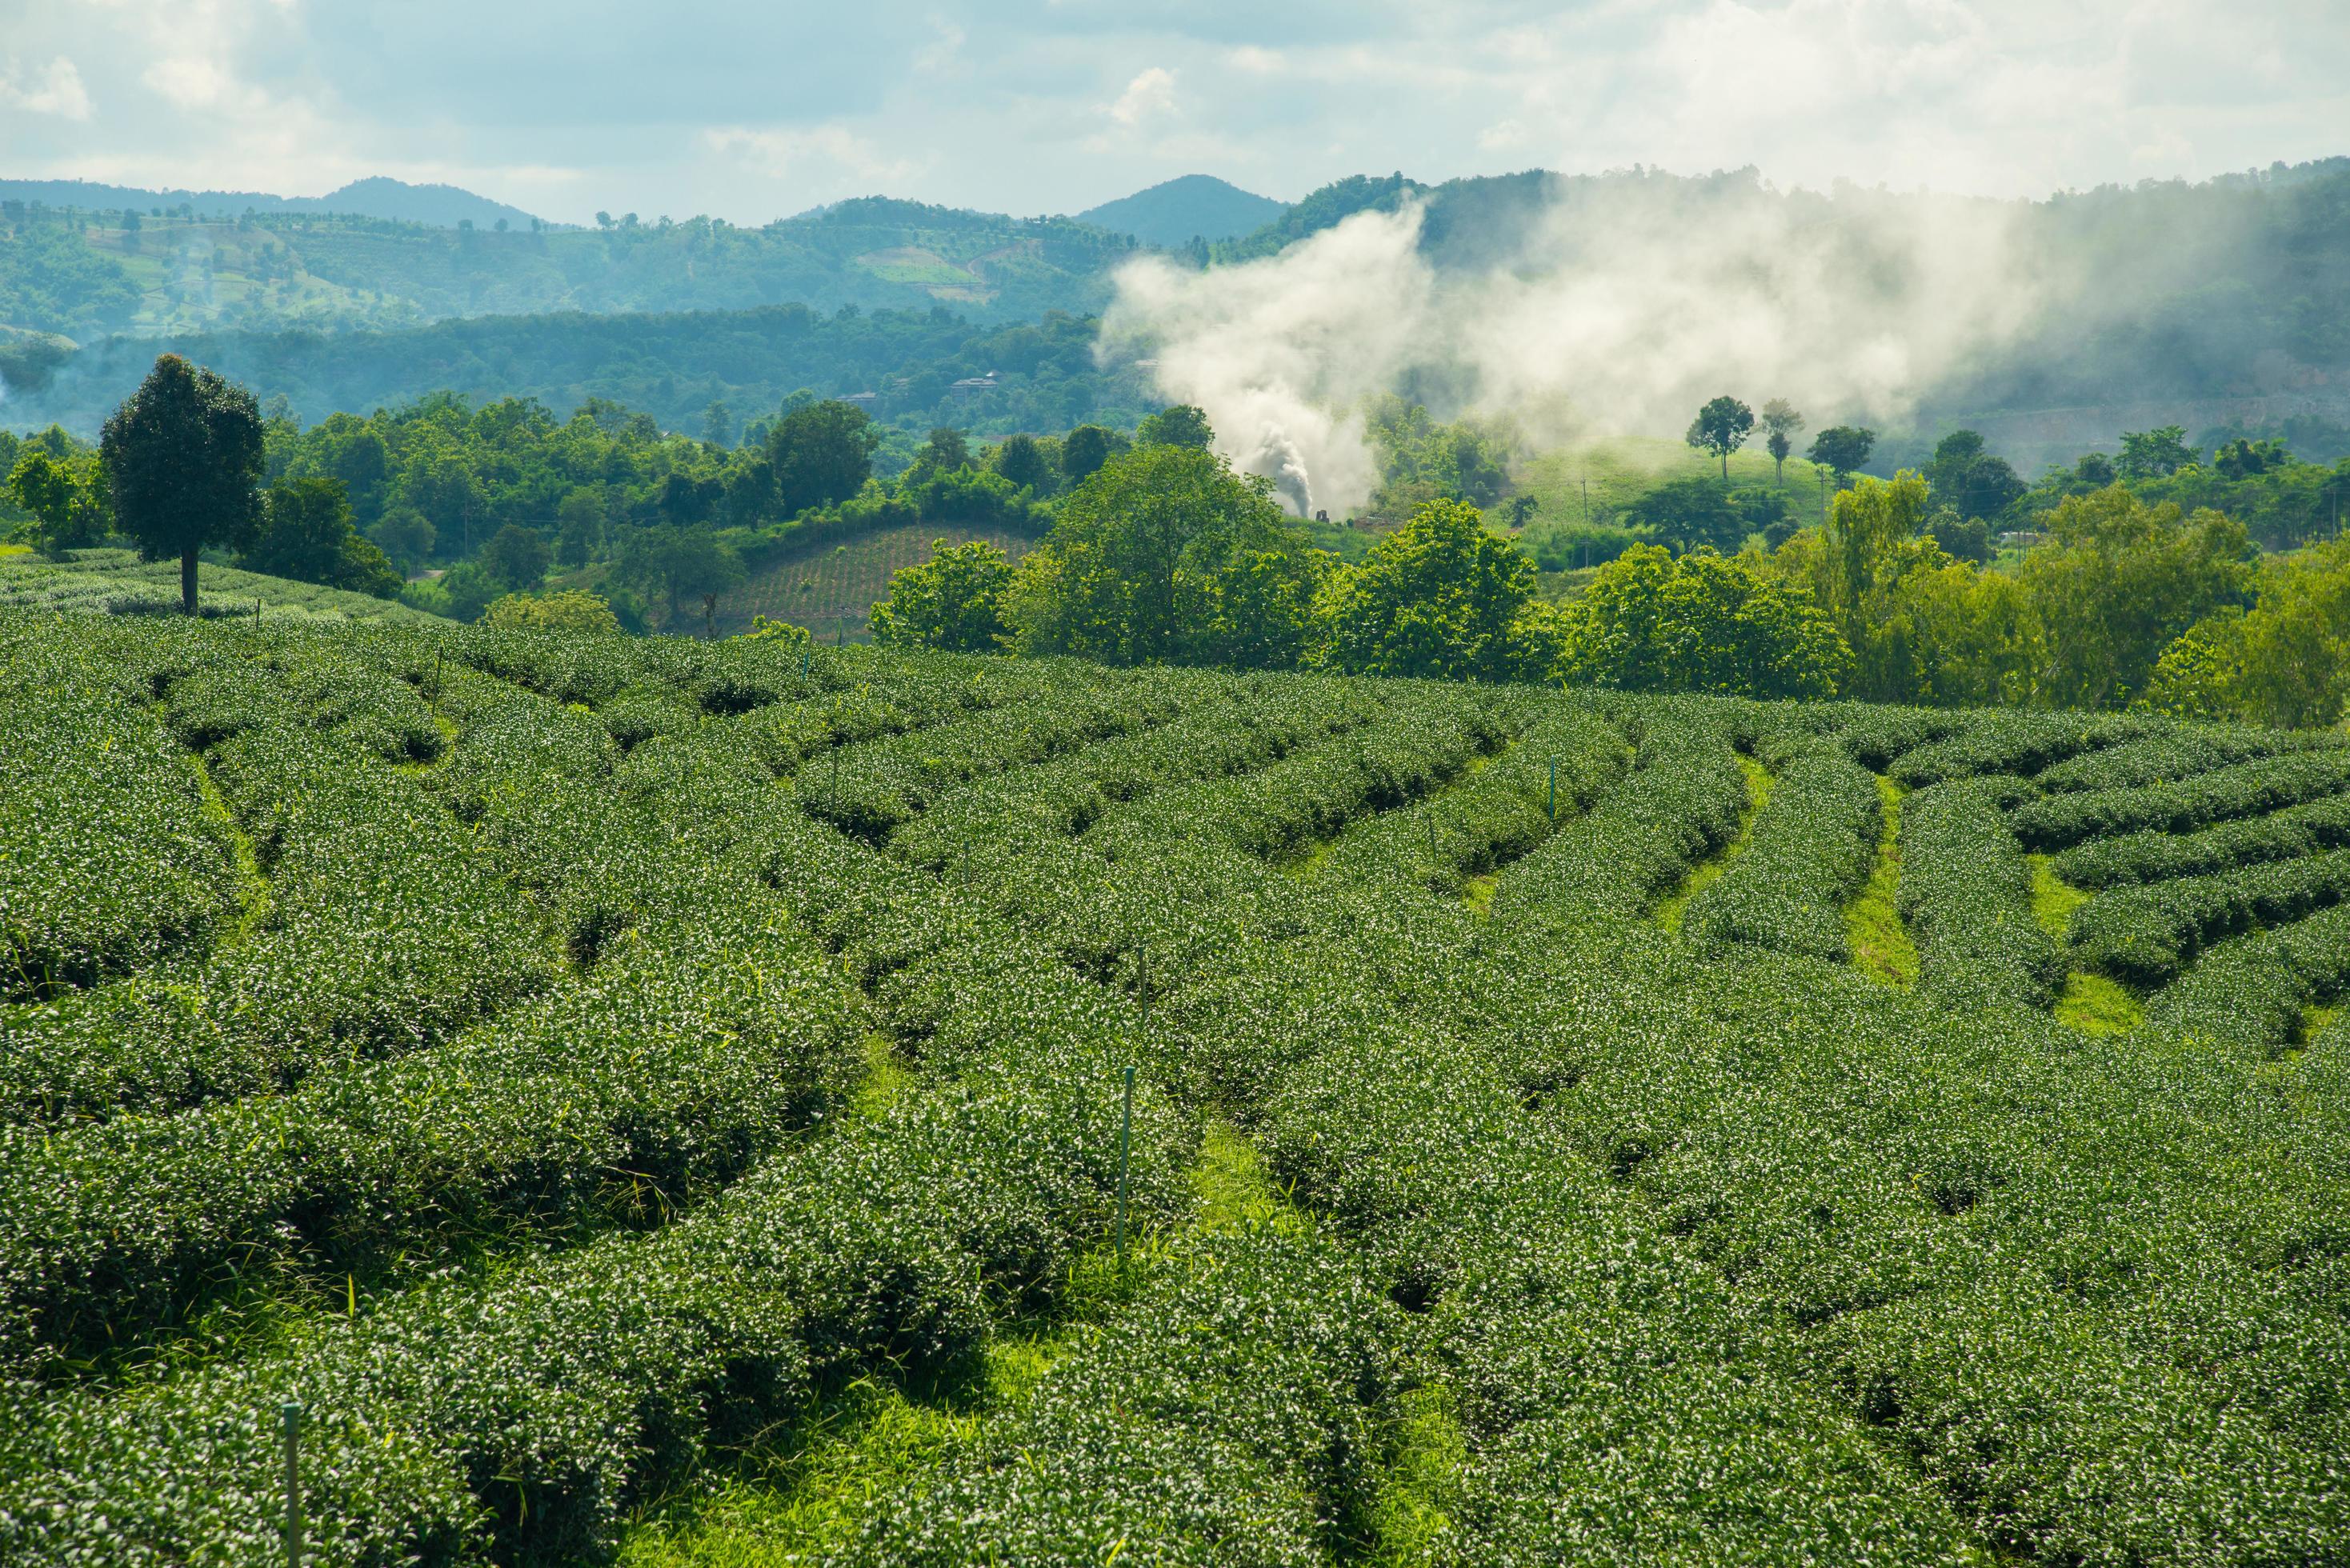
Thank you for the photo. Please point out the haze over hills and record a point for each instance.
(2217, 304)
(437, 206)
(1191, 206)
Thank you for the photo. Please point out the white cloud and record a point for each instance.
(1030, 105)
(789, 152)
(1501, 136)
(1624, 305)
(56, 90)
(1151, 93)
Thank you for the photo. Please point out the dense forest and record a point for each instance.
(918, 368)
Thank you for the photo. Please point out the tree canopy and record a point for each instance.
(1700, 622)
(1440, 597)
(184, 458)
(1720, 428)
(1166, 555)
(954, 601)
(306, 533)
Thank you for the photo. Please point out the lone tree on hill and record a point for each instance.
(1720, 428)
(1842, 449)
(183, 457)
(1781, 420)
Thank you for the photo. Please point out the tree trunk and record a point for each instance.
(187, 582)
(1725, 466)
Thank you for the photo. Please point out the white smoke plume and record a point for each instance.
(1623, 305)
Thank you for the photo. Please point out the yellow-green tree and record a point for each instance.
(1439, 597)
(1165, 555)
(2286, 661)
(2118, 581)
(573, 610)
(954, 601)
(1650, 622)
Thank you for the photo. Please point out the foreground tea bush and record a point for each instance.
(572, 1059)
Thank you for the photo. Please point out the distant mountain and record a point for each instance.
(438, 206)
(85, 275)
(1193, 206)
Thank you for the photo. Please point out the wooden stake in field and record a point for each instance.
(1125, 1159)
(290, 1418)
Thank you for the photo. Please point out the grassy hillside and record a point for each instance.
(678, 1103)
(1621, 469)
(118, 582)
(832, 589)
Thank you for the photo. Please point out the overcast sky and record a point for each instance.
(756, 111)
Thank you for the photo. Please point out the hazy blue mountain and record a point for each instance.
(441, 206)
(1193, 206)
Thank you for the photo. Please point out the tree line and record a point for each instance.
(1153, 549)
(2121, 599)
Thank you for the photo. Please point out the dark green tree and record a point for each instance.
(2244, 458)
(1178, 425)
(1086, 449)
(1685, 513)
(579, 527)
(404, 534)
(1022, 462)
(307, 534)
(822, 453)
(1720, 428)
(1970, 480)
(183, 457)
(1842, 449)
(517, 557)
(674, 565)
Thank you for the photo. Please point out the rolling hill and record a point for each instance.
(88, 274)
(117, 582)
(394, 201)
(832, 589)
(1178, 210)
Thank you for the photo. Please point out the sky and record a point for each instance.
(754, 111)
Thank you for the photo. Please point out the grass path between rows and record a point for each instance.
(805, 1489)
(2090, 1003)
(1758, 794)
(1881, 946)
(252, 885)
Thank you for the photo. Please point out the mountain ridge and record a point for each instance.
(437, 205)
(1175, 212)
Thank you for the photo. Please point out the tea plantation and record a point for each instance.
(607, 1083)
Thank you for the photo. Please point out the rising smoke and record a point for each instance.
(1621, 305)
